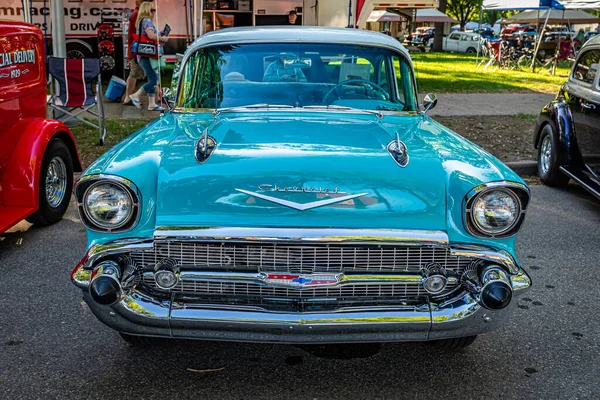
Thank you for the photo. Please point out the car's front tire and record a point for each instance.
(454, 343)
(548, 159)
(55, 184)
(471, 50)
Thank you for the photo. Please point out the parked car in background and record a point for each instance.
(37, 155)
(590, 35)
(567, 133)
(556, 33)
(526, 35)
(461, 42)
(298, 193)
(422, 35)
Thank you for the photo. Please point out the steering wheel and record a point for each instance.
(376, 87)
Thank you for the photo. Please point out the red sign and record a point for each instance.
(19, 63)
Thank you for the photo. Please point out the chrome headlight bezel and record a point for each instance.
(87, 183)
(520, 194)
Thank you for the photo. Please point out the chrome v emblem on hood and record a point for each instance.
(299, 206)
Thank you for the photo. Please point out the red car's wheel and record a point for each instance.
(55, 184)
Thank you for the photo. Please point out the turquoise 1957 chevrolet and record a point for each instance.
(298, 193)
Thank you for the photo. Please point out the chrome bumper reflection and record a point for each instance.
(139, 314)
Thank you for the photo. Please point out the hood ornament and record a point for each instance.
(301, 206)
(398, 151)
(204, 147)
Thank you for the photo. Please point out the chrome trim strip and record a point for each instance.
(501, 257)
(301, 206)
(258, 279)
(484, 186)
(349, 236)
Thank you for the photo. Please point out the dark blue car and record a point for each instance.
(567, 133)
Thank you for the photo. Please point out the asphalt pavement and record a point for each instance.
(52, 347)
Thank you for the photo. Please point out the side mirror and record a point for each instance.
(169, 98)
(429, 102)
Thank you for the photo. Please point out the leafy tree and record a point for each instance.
(464, 11)
(491, 16)
(439, 28)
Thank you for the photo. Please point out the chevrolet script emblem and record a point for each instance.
(301, 206)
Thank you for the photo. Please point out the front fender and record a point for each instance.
(558, 114)
(20, 179)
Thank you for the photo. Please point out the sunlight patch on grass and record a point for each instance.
(451, 73)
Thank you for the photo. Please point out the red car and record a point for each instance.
(37, 155)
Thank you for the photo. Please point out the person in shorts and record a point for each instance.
(135, 71)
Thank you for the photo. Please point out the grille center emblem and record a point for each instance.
(299, 280)
(301, 206)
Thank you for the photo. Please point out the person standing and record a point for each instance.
(579, 40)
(135, 71)
(145, 25)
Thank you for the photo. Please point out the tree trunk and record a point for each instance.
(438, 38)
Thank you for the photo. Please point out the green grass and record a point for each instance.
(87, 137)
(527, 117)
(452, 73)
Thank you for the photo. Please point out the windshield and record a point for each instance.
(297, 75)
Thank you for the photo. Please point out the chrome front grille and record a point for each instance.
(266, 257)
(228, 260)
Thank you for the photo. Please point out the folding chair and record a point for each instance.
(545, 55)
(75, 78)
(563, 53)
(494, 54)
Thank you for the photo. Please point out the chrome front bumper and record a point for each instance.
(137, 313)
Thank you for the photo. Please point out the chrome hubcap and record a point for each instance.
(545, 153)
(56, 182)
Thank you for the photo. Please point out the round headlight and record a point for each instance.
(495, 211)
(108, 205)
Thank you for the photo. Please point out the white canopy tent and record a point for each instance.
(552, 17)
(383, 16)
(432, 15)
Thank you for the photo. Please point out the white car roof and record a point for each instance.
(297, 34)
(466, 33)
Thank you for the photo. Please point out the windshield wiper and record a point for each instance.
(251, 107)
(344, 108)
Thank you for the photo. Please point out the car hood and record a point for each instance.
(291, 170)
(271, 169)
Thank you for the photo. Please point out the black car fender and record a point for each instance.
(558, 114)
